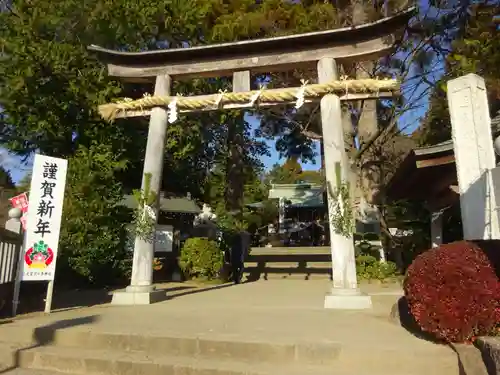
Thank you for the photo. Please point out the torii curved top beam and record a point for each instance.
(364, 42)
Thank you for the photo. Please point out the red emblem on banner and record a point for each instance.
(39, 256)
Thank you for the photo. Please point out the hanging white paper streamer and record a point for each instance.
(172, 111)
(300, 95)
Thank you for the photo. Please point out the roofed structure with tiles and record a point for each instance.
(426, 174)
(172, 204)
(429, 174)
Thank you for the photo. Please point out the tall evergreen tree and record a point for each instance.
(475, 49)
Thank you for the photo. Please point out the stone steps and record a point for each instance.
(70, 351)
(325, 250)
(292, 264)
(302, 263)
(251, 274)
(23, 371)
(98, 362)
(276, 352)
(90, 353)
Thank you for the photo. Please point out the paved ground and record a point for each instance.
(273, 311)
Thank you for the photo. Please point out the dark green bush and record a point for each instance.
(363, 244)
(201, 258)
(370, 268)
(365, 248)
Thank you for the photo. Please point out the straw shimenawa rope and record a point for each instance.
(344, 87)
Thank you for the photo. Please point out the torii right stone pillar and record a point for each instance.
(344, 293)
(474, 156)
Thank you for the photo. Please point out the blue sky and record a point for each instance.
(12, 163)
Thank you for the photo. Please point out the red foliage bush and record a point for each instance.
(453, 292)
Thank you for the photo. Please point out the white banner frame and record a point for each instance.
(46, 201)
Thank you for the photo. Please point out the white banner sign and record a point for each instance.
(44, 221)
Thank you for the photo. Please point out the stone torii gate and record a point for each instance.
(324, 49)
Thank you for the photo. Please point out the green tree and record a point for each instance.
(6, 179)
(7, 191)
(475, 50)
(291, 173)
(92, 245)
(313, 177)
(288, 173)
(254, 190)
(24, 184)
(50, 87)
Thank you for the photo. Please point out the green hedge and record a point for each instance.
(201, 258)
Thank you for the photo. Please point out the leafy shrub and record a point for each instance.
(92, 247)
(370, 268)
(201, 257)
(363, 248)
(367, 244)
(453, 292)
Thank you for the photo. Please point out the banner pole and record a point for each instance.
(48, 297)
(19, 273)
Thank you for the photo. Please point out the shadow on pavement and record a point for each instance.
(401, 314)
(33, 300)
(45, 335)
(195, 290)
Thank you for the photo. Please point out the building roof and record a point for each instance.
(174, 204)
(298, 195)
(297, 186)
(426, 174)
(429, 173)
(442, 147)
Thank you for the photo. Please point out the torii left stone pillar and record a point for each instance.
(344, 293)
(141, 290)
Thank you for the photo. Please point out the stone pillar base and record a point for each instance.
(347, 299)
(138, 295)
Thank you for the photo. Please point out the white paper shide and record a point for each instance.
(44, 221)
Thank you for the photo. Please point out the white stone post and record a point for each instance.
(474, 155)
(344, 293)
(436, 229)
(281, 215)
(14, 225)
(141, 290)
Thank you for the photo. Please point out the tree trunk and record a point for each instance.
(234, 166)
(367, 127)
(367, 121)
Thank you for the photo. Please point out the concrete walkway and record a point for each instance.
(273, 311)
